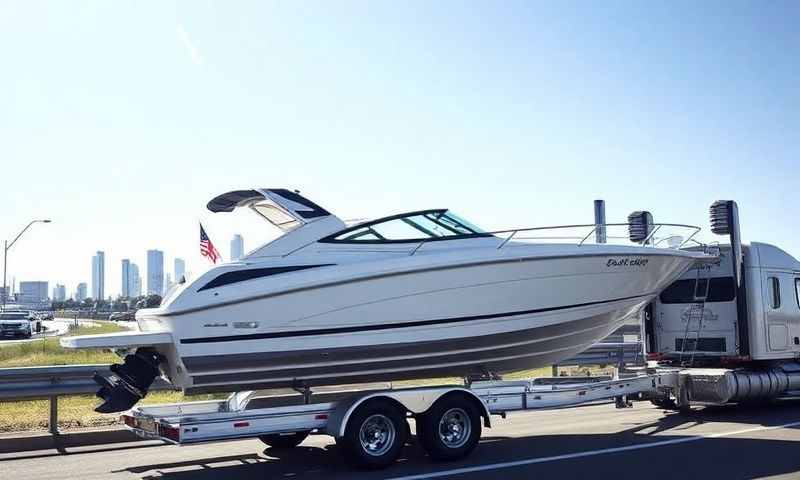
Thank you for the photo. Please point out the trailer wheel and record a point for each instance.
(284, 440)
(450, 429)
(375, 435)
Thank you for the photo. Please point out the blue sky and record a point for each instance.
(121, 120)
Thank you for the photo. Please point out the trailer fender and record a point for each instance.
(415, 401)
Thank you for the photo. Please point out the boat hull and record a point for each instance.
(453, 357)
(510, 315)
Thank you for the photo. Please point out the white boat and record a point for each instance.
(424, 294)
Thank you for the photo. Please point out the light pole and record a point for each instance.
(5, 256)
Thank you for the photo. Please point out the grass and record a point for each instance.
(49, 352)
(75, 411)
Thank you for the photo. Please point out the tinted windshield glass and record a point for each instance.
(414, 226)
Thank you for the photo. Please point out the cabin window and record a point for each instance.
(722, 289)
(415, 226)
(775, 292)
(797, 291)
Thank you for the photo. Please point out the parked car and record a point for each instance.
(18, 323)
(128, 316)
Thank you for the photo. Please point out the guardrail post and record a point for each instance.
(54, 415)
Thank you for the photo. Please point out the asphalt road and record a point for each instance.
(594, 442)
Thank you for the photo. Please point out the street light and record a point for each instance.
(5, 256)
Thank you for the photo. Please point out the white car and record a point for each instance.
(19, 323)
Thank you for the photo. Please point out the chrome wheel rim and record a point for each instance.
(454, 428)
(377, 435)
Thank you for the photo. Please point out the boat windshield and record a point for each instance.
(415, 226)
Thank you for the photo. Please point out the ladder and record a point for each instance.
(695, 317)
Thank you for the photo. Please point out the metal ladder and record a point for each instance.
(696, 312)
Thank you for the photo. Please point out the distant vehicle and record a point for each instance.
(122, 316)
(18, 323)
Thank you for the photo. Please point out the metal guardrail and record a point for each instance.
(22, 383)
(25, 383)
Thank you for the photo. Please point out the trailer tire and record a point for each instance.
(284, 440)
(450, 429)
(375, 435)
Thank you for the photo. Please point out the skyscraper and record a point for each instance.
(135, 281)
(99, 275)
(155, 272)
(59, 293)
(33, 293)
(126, 277)
(80, 292)
(237, 247)
(180, 269)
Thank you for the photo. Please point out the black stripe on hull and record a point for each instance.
(390, 326)
(536, 347)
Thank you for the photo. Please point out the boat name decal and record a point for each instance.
(627, 262)
(215, 325)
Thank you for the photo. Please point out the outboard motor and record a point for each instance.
(640, 226)
(129, 383)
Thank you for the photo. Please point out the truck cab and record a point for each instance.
(757, 319)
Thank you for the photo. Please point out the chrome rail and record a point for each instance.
(580, 240)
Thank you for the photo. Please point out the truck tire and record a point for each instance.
(375, 435)
(450, 429)
(284, 440)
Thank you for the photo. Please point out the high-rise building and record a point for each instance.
(126, 278)
(99, 276)
(33, 293)
(155, 272)
(180, 269)
(237, 247)
(80, 292)
(135, 281)
(59, 293)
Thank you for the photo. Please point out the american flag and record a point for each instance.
(207, 248)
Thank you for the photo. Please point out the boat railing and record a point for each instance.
(659, 235)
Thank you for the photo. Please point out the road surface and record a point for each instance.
(593, 442)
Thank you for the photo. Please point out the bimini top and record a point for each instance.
(283, 208)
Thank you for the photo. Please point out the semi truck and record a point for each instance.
(733, 326)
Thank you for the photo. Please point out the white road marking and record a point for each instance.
(567, 456)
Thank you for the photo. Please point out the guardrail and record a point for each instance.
(25, 383)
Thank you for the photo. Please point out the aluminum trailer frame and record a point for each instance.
(445, 415)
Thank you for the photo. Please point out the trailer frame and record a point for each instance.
(388, 409)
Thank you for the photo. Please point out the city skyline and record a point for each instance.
(131, 281)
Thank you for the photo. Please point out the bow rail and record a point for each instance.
(669, 236)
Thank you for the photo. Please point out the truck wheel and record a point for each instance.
(450, 429)
(375, 435)
(284, 440)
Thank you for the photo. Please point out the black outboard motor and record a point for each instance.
(129, 382)
(640, 226)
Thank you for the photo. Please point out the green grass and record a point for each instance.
(49, 352)
(75, 411)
